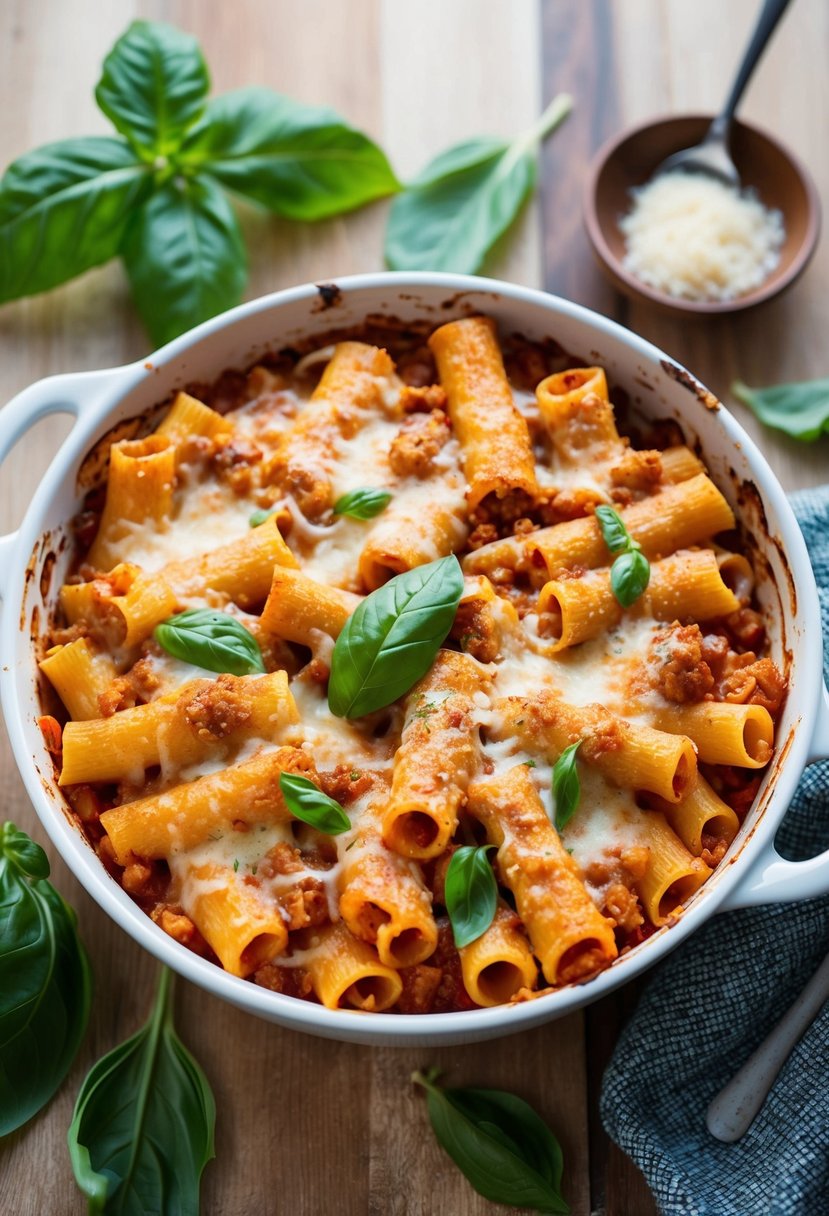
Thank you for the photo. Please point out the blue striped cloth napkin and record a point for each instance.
(710, 1005)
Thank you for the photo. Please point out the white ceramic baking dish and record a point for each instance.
(34, 559)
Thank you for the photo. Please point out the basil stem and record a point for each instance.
(364, 503)
(45, 982)
(307, 802)
(392, 637)
(499, 1143)
(142, 1130)
(471, 893)
(631, 571)
(566, 786)
(800, 409)
(212, 640)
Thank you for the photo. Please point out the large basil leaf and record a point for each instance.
(185, 257)
(64, 209)
(455, 210)
(471, 893)
(213, 640)
(392, 637)
(300, 161)
(45, 982)
(306, 801)
(142, 1130)
(500, 1144)
(153, 86)
(566, 786)
(800, 409)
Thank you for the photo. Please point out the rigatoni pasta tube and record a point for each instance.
(688, 584)
(702, 813)
(569, 935)
(240, 924)
(140, 488)
(297, 606)
(207, 717)
(124, 605)
(411, 533)
(243, 569)
(672, 874)
(188, 418)
(384, 901)
(680, 464)
(186, 815)
(575, 409)
(499, 963)
(345, 972)
(497, 452)
(78, 675)
(724, 733)
(436, 758)
(632, 757)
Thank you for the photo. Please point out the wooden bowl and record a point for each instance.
(629, 160)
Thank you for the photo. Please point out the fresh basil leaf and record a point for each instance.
(800, 409)
(500, 1144)
(261, 517)
(153, 86)
(302, 162)
(212, 640)
(45, 982)
(142, 1130)
(307, 802)
(615, 534)
(471, 893)
(392, 637)
(184, 256)
(629, 576)
(64, 209)
(452, 214)
(566, 786)
(364, 503)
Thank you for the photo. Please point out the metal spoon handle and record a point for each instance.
(771, 13)
(733, 1110)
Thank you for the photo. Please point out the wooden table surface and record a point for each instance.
(307, 1126)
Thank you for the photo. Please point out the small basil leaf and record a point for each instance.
(260, 517)
(452, 214)
(153, 86)
(800, 409)
(500, 1144)
(212, 640)
(302, 162)
(614, 532)
(566, 786)
(184, 256)
(45, 983)
(392, 637)
(471, 893)
(142, 1129)
(64, 209)
(307, 802)
(629, 576)
(364, 503)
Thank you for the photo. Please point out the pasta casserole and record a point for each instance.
(392, 676)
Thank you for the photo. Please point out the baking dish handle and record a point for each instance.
(772, 879)
(74, 393)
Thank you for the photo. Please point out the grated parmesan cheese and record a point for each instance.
(694, 238)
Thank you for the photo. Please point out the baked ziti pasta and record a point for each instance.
(259, 577)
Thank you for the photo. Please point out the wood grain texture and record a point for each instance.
(307, 1126)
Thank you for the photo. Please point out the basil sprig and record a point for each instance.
(307, 802)
(455, 210)
(505, 1150)
(471, 893)
(142, 1129)
(800, 409)
(364, 503)
(631, 571)
(45, 982)
(566, 786)
(392, 637)
(154, 194)
(212, 640)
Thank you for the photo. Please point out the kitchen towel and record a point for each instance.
(710, 1005)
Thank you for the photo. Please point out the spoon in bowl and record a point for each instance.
(713, 156)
